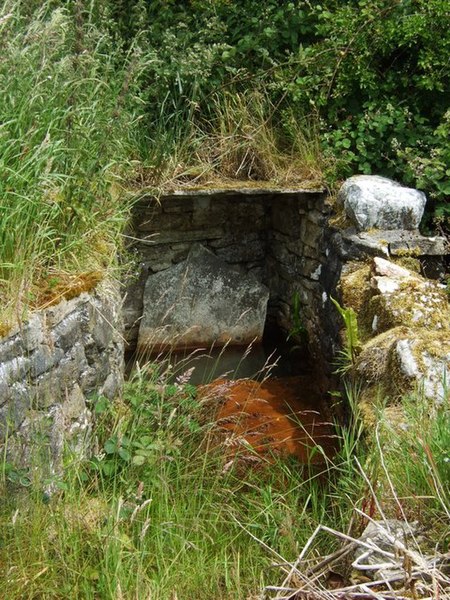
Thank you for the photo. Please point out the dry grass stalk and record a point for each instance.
(414, 575)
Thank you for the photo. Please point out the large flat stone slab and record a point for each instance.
(394, 243)
(246, 190)
(199, 302)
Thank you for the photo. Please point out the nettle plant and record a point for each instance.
(149, 428)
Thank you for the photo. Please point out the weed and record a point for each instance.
(298, 329)
(347, 356)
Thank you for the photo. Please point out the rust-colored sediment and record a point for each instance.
(276, 417)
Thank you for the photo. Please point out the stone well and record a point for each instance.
(283, 238)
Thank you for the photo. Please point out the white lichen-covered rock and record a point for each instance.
(376, 202)
(384, 544)
(199, 302)
(422, 361)
(388, 277)
(385, 285)
(386, 268)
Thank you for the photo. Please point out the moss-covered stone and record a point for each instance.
(355, 286)
(372, 364)
(404, 322)
(408, 262)
(368, 401)
(416, 303)
(421, 360)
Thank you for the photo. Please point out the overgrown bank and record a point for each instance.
(98, 96)
(159, 511)
(96, 102)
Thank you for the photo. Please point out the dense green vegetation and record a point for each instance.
(160, 511)
(372, 76)
(102, 96)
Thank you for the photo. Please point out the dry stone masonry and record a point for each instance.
(404, 323)
(404, 317)
(284, 239)
(276, 236)
(52, 368)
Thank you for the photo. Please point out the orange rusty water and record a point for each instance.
(275, 417)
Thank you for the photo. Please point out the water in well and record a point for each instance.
(267, 397)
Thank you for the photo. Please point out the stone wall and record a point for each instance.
(297, 270)
(277, 235)
(233, 225)
(283, 237)
(52, 367)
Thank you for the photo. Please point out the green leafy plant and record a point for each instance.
(352, 344)
(298, 329)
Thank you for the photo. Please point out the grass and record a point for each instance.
(237, 141)
(155, 513)
(419, 487)
(241, 142)
(67, 117)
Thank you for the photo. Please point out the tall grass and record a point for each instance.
(234, 135)
(67, 125)
(413, 446)
(158, 511)
(243, 141)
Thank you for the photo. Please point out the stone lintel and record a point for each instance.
(396, 243)
(182, 200)
(243, 191)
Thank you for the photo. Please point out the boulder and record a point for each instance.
(376, 202)
(199, 302)
(422, 360)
